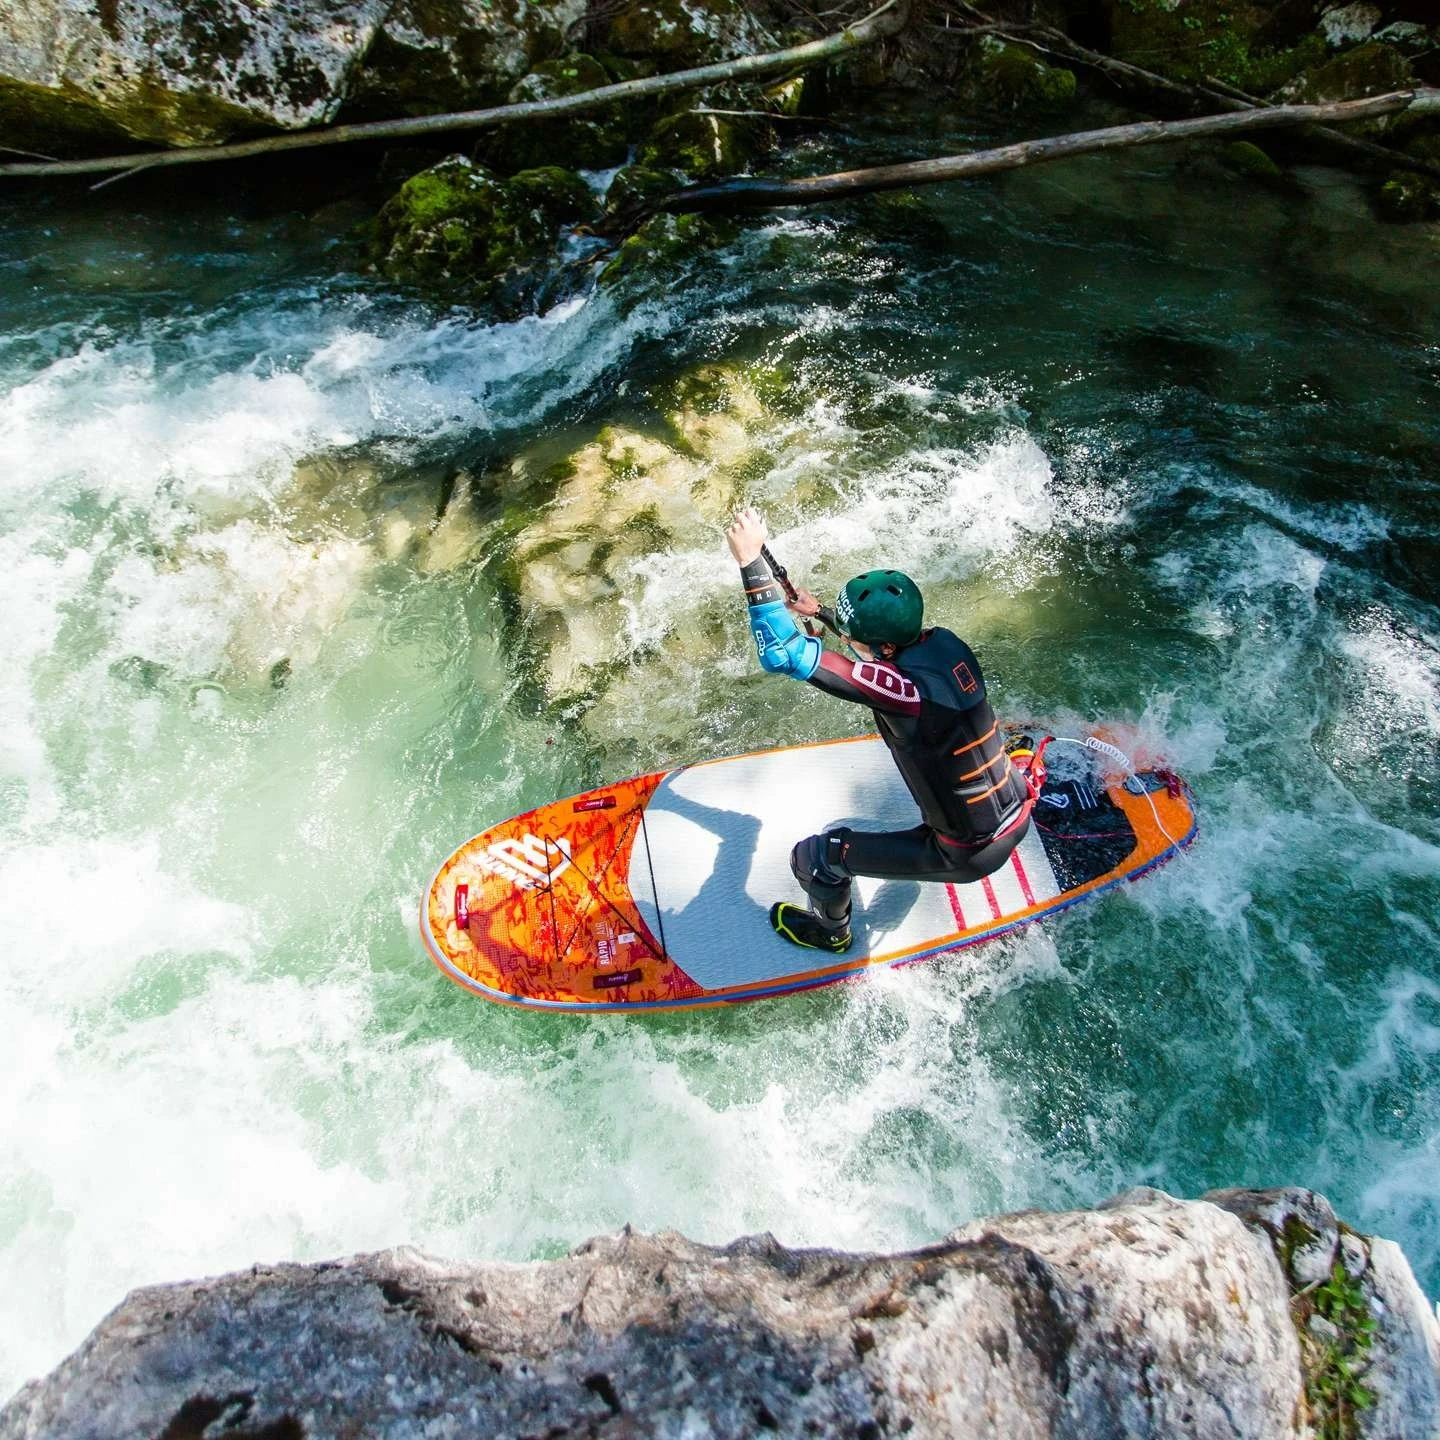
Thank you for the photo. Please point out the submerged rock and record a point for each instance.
(1146, 1317)
(169, 73)
(458, 226)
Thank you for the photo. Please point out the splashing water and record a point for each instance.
(253, 688)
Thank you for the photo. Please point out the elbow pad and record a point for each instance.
(782, 648)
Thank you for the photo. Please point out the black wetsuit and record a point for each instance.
(930, 708)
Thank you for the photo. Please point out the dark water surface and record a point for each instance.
(1165, 447)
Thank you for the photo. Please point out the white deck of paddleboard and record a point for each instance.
(719, 838)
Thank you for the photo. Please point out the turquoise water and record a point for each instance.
(1163, 449)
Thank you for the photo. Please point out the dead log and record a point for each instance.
(746, 193)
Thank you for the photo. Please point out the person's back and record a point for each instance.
(927, 693)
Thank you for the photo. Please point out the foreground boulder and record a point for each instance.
(1147, 1317)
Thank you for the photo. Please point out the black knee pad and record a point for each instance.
(818, 863)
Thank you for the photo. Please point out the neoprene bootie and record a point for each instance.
(800, 927)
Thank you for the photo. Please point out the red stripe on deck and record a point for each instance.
(989, 890)
(955, 909)
(1022, 877)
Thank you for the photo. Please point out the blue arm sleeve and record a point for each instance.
(782, 648)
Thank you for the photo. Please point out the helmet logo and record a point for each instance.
(844, 608)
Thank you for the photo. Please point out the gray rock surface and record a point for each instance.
(1147, 1317)
(173, 72)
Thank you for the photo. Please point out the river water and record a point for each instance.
(1165, 447)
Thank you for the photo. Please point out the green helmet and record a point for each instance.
(879, 607)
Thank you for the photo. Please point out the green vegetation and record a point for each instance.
(1335, 1353)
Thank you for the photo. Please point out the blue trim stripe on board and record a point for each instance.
(503, 996)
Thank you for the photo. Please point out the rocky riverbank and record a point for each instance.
(1248, 1314)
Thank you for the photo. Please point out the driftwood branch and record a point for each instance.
(758, 193)
(879, 24)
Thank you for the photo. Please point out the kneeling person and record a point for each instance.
(927, 694)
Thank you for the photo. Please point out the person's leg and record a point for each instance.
(825, 924)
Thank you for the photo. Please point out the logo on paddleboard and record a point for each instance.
(528, 861)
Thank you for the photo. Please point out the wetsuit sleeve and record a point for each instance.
(866, 682)
(783, 650)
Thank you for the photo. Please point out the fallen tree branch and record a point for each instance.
(1058, 45)
(758, 193)
(879, 24)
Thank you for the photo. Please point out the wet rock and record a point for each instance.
(1354, 1254)
(1148, 1317)
(706, 145)
(658, 250)
(457, 227)
(76, 76)
(431, 56)
(594, 142)
(635, 186)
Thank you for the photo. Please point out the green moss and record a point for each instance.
(1249, 159)
(1407, 197)
(638, 185)
(706, 146)
(456, 226)
(1228, 40)
(662, 244)
(678, 33)
(1336, 1358)
(1016, 78)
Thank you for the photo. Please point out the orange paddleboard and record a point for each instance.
(653, 893)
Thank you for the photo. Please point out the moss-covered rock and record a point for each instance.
(1256, 46)
(705, 145)
(1373, 69)
(678, 34)
(431, 56)
(1012, 77)
(661, 246)
(1247, 158)
(1407, 196)
(459, 228)
(638, 185)
(588, 142)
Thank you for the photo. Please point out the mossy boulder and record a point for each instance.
(638, 185)
(1256, 46)
(1012, 77)
(659, 249)
(461, 229)
(78, 77)
(1372, 69)
(1407, 196)
(678, 34)
(707, 146)
(1246, 158)
(431, 56)
(588, 142)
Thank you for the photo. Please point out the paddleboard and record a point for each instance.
(654, 893)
